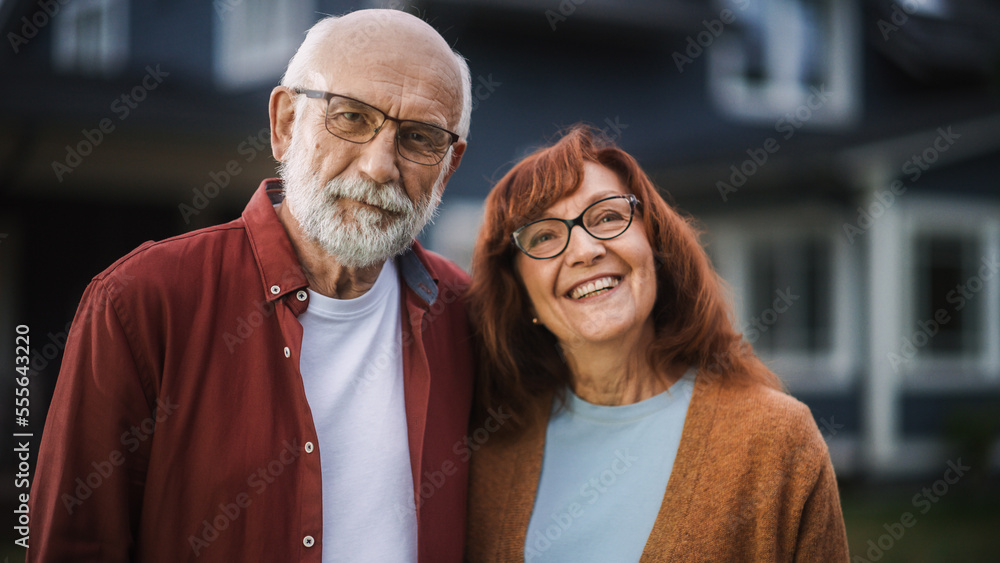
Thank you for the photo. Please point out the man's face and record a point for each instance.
(355, 219)
(364, 203)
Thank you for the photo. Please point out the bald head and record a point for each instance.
(392, 49)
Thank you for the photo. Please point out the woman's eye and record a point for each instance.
(542, 238)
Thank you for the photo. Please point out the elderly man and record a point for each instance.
(294, 385)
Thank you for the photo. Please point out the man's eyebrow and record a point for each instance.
(437, 124)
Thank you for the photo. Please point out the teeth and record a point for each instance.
(594, 286)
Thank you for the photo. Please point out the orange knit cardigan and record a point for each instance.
(752, 481)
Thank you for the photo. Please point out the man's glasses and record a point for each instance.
(604, 219)
(357, 122)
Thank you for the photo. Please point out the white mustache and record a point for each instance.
(389, 197)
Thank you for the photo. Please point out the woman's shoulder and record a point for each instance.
(758, 416)
(759, 402)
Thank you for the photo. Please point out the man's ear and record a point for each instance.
(458, 149)
(281, 109)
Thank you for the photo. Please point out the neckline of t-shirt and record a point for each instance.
(347, 309)
(681, 388)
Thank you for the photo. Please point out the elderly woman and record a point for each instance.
(642, 427)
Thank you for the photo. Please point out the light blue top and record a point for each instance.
(604, 475)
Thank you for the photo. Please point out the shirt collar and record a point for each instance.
(416, 275)
(280, 270)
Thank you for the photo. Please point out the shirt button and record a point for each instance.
(288, 353)
(301, 295)
(308, 541)
(275, 289)
(309, 447)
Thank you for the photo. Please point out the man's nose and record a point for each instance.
(378, 159)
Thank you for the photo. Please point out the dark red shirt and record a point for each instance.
(180, 431)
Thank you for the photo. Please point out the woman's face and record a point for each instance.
(596, 291)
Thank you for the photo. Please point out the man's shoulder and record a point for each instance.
(177, 256)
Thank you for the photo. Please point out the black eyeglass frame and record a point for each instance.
(327, 96)
(634, 204)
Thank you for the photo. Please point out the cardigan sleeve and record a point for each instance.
(822, 536)
(793, 511)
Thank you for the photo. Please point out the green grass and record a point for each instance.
(11, 553)
(963, 526)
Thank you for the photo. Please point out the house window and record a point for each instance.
(948, 332)
(254, 39)
(789, 63)
(947, 307)
(795, 288)
(788, 296)
(91, 37)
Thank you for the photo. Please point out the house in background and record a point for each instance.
(843, 156)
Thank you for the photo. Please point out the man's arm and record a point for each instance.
(88, 486)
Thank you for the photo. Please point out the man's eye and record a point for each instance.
(417, 138)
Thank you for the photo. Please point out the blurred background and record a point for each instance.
(843, 157)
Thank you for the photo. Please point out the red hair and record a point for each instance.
(521, 362)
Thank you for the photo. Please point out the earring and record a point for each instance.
(534, 320)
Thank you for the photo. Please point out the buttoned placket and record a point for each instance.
(296, 306)
(285, 288)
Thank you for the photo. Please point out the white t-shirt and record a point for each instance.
(352, 369)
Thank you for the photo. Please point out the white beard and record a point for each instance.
(357, 237)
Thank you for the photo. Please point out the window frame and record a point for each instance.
(946, 217)
(770, 100)
(243, 59)
(731, 239)
(112, 47)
